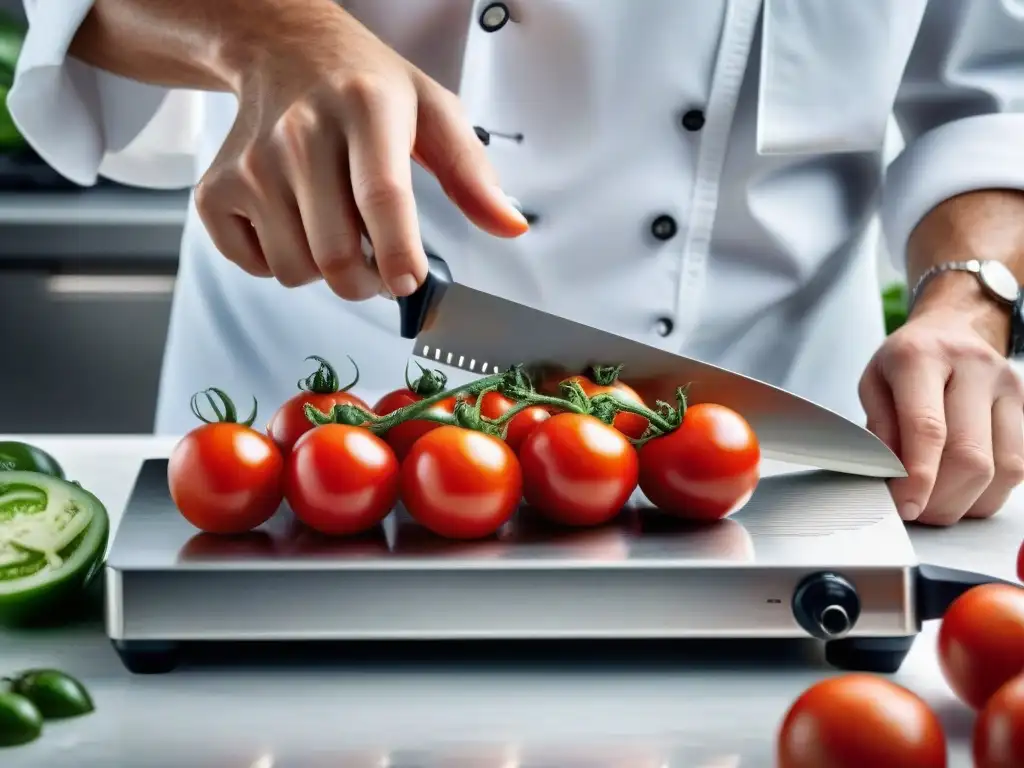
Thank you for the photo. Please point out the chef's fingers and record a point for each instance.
(918, 393)
(1007, 454)
(380, 137)
(229, 229)
(447, 146)
(966, 467)
(283, 240)
(316, 164)
(876, 397)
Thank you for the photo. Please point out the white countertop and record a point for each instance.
(643, 717)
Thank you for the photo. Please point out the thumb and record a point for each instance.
(447, 147)
(879, 407)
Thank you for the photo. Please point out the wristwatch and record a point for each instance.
(998, 282)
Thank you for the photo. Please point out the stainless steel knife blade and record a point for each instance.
(480, 333)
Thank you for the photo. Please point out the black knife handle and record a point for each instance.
(413, 308)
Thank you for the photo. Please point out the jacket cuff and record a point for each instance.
(974, 153)
(76, 117)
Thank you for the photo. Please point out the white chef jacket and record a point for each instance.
(703, 175)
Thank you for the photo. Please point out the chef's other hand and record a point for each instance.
(320, 153)
(942, 397)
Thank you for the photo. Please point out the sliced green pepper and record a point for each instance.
(20, 721)
(55, 694)
(15, 456)
(53, 536)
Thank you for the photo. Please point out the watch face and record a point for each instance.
(998, 278)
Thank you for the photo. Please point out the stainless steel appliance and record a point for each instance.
(814, 554)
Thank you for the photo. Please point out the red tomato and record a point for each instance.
(402, 437)
(628, 424)
(999, 729)
(494, 405)
(704, 470)
(860, 721)
(461, 484)
(323, 391)
(1020, 562)
(225, 478)
(981, 641)
(576, 470)
(341, 480)
(522, 424)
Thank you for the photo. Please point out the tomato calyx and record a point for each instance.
(428, 383)
(225, 413)
(325, 380)
(604, 375)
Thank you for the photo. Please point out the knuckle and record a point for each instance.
(906, 348)
(381, 192)
(205, 194)
(929, 427)
(972, 460)
(363, 92)
(252, 168)
(296, 127)
(1010, 470)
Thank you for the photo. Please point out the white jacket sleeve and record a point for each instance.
(961, 111)
(88, 123)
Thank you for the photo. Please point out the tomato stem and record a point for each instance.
(225, 413)
(324, 380)
(346, 413)
(428, 383)
(604, 375)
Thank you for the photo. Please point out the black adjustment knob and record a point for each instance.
(826, 605)
(494, 16)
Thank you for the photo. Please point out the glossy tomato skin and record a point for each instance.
(403, 437)
(495, 405)
(999, 729)
(981, 641)
(577, 471)
(341, 480)
(706, 469)
(290, 422)
(226, 478)
(461, 484)
(628, 424)
(522, 424)
(860, 721)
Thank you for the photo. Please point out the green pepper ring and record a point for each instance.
(46, 596)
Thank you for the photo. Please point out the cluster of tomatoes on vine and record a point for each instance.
(462, 459)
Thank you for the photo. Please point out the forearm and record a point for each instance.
(983, 225)
(200, 44)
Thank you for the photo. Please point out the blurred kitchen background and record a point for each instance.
(86, 278)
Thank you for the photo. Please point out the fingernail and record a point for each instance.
(403, 285)
(910, 511)
(511, 204)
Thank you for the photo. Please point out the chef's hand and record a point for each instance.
(329, 120)
(947, 402)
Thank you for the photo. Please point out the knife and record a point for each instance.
(480, 334)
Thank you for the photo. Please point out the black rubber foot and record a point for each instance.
(881, 655)
(145, 657)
